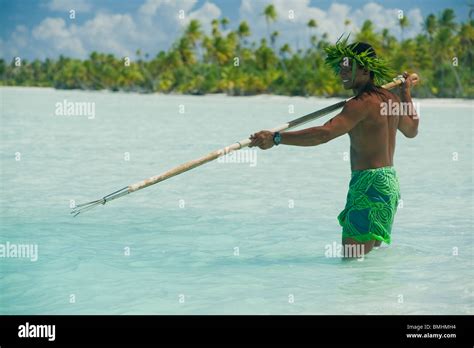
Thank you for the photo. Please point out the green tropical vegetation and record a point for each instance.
(225, 61)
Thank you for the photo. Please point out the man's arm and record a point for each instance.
(352, 113)
(409, 120)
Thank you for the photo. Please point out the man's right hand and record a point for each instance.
(409, 82)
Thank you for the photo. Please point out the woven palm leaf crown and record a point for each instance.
(363, 54)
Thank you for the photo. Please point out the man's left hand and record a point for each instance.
(262, 139)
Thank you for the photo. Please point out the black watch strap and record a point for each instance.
(277, 138)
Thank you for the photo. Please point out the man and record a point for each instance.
(373, 194)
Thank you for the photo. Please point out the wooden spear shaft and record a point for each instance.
(244, 143)
(221, 152)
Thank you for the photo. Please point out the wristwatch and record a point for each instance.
(277, 138)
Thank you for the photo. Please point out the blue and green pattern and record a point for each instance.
(371, 205)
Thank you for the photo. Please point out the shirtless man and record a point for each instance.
(373, 191)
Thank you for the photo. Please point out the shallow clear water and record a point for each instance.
(182, 234)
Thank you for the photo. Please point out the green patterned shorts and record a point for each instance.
(371, 205)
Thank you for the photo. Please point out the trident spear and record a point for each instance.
(80, 208)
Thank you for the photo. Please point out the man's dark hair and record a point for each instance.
(359, 47)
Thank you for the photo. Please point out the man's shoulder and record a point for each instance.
(358, 106)
(372, 100)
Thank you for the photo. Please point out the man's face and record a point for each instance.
(345, 73)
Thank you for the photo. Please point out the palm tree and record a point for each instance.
(385, 34)
(403, 23)
(387, 39)
(466, 45)
(273, 38)
(284, 50)
(185, 50)
(243, 30)
(367, 34)
(430, 25)
(224, 23)
(312, 24)
(443, 51)
(347, 22)
(444, 37)
(446, 20)
(193, 32)
(265, 56)
(193, 35)
(270, 16)
(215, 27)
(138, 53)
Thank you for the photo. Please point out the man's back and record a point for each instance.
(373, 138)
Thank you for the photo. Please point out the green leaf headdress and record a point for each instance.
(367, 59)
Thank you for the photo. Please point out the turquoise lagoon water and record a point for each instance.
(226, 238)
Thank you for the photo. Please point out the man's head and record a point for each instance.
(352, 74)
(357, 64)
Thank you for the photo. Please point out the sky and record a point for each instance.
(43, 28)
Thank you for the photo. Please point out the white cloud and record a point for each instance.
(171, 16)
(205, 14)
(389, 18)
(20, 36)
(151, 7)
(293, 16)
(53, 35)
(17, 44)
(330, 21)
(67, 5)
(155, 26)
(416, 22)
(115, 33)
